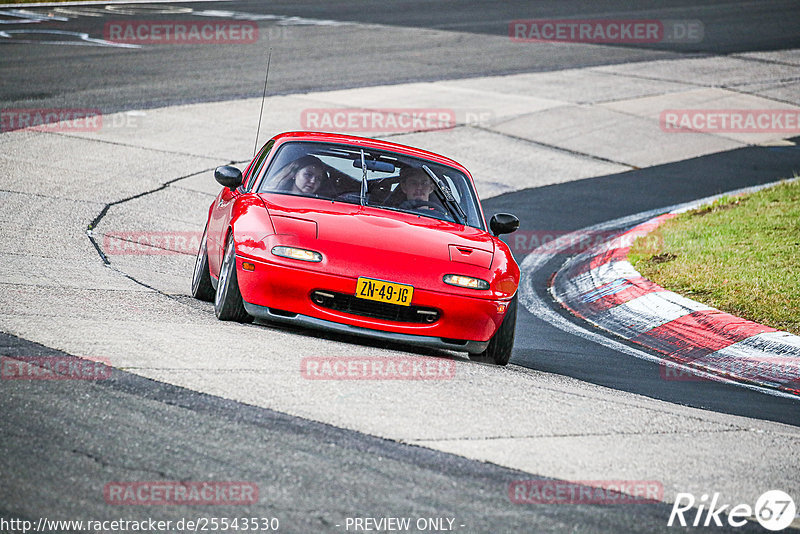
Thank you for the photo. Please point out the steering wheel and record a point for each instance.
(423, 206)
(348, 196)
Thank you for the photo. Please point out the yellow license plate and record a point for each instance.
(367, 288)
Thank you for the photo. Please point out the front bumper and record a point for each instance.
(263, 312)
(281, 292)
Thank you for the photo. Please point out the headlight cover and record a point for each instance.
(469, 282)
(294, 253)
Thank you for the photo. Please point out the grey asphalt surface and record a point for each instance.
(316, 57)
(62, 441)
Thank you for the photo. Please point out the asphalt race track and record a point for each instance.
(567, 139)
(335, 57)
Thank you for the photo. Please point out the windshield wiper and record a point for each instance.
(363, 179)
(444, 194)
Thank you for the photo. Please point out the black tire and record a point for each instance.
(502, 343)
(228, 304)
(201, 278)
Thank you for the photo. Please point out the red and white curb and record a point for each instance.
(602, 287)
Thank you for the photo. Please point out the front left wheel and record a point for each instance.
(228, 303)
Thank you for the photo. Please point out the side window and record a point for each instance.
(255, 167)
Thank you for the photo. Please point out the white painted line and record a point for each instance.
(604, 290)
(646, 312)
(592, 283)
(766, 345)
(772, 357)
(23, 16)
(112, 2)
(777, 343)
(83, 39)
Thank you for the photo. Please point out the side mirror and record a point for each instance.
(228, 176)
(503, 223)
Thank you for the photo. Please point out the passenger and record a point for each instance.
(303, 176)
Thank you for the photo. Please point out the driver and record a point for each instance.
(417, 187)
(416, 184)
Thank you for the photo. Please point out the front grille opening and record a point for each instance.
(281, 313)
(369, 308)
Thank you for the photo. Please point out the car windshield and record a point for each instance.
(375, 178)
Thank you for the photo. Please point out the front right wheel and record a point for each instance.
(498, 352)
(228, 303)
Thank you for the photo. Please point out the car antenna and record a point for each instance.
(263, 97)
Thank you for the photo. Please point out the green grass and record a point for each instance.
(740, 255)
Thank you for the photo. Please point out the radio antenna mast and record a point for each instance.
(263, 97)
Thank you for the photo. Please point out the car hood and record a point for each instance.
(366, 241)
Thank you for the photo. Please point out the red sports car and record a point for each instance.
(362, 237)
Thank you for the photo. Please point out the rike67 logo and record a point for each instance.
(774, 510)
